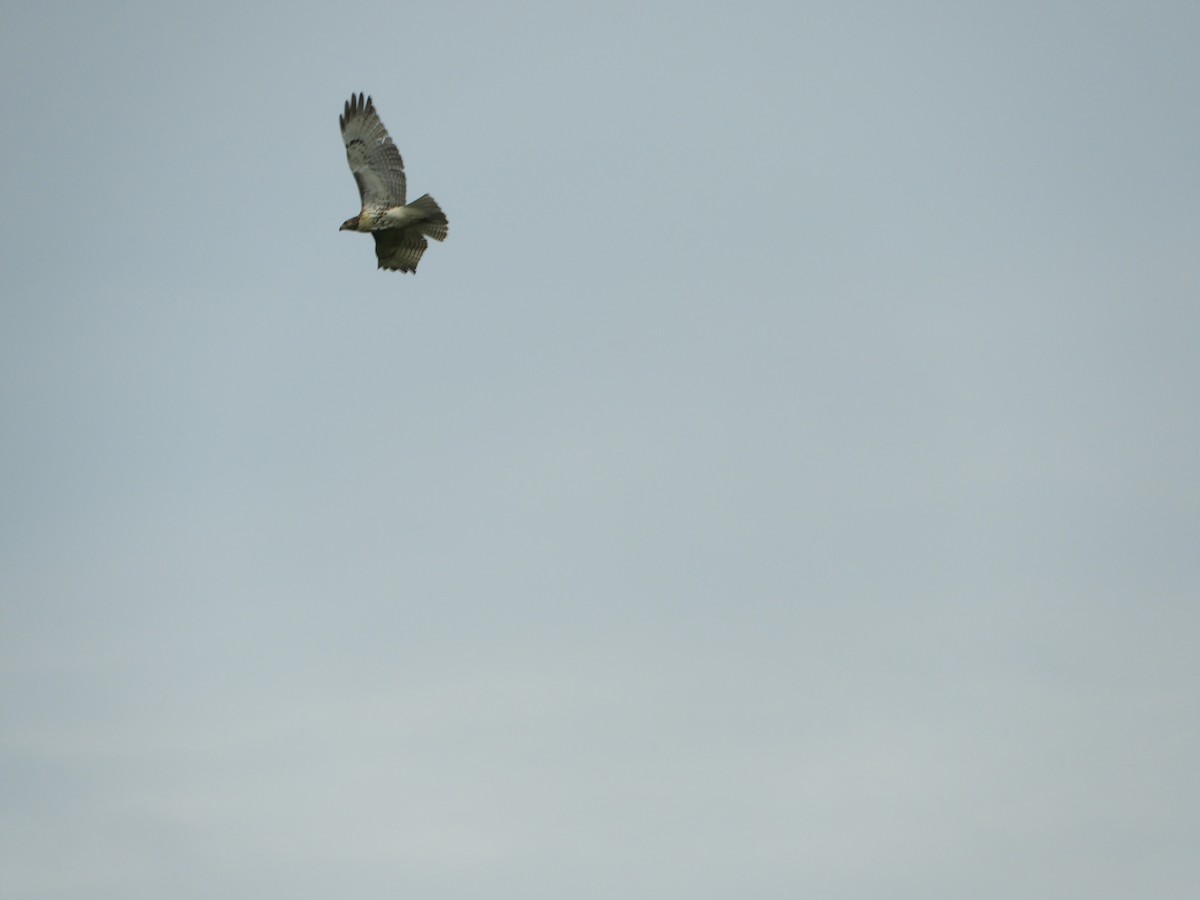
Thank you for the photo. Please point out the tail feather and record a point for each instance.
(434, 224)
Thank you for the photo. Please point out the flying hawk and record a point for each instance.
(399, 229)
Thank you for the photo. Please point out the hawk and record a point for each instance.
(400, 229)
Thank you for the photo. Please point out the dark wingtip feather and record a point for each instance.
(355, 106)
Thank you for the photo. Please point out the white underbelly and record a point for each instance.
(399, 216)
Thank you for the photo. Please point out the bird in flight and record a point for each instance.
(400, 229)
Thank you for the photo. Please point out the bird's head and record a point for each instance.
(350, 225)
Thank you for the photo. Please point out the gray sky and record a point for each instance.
(781, 484)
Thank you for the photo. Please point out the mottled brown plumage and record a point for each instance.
(400, 229)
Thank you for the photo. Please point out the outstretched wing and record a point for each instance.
(399, 248)
(374, 159)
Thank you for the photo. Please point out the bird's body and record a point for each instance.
(399, 228)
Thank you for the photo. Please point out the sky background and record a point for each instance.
(782, 483)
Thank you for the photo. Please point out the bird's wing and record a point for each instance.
(399, 248)
(374, 159)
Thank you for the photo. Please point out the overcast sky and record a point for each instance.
(781, 484)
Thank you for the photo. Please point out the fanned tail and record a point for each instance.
(434, 224)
